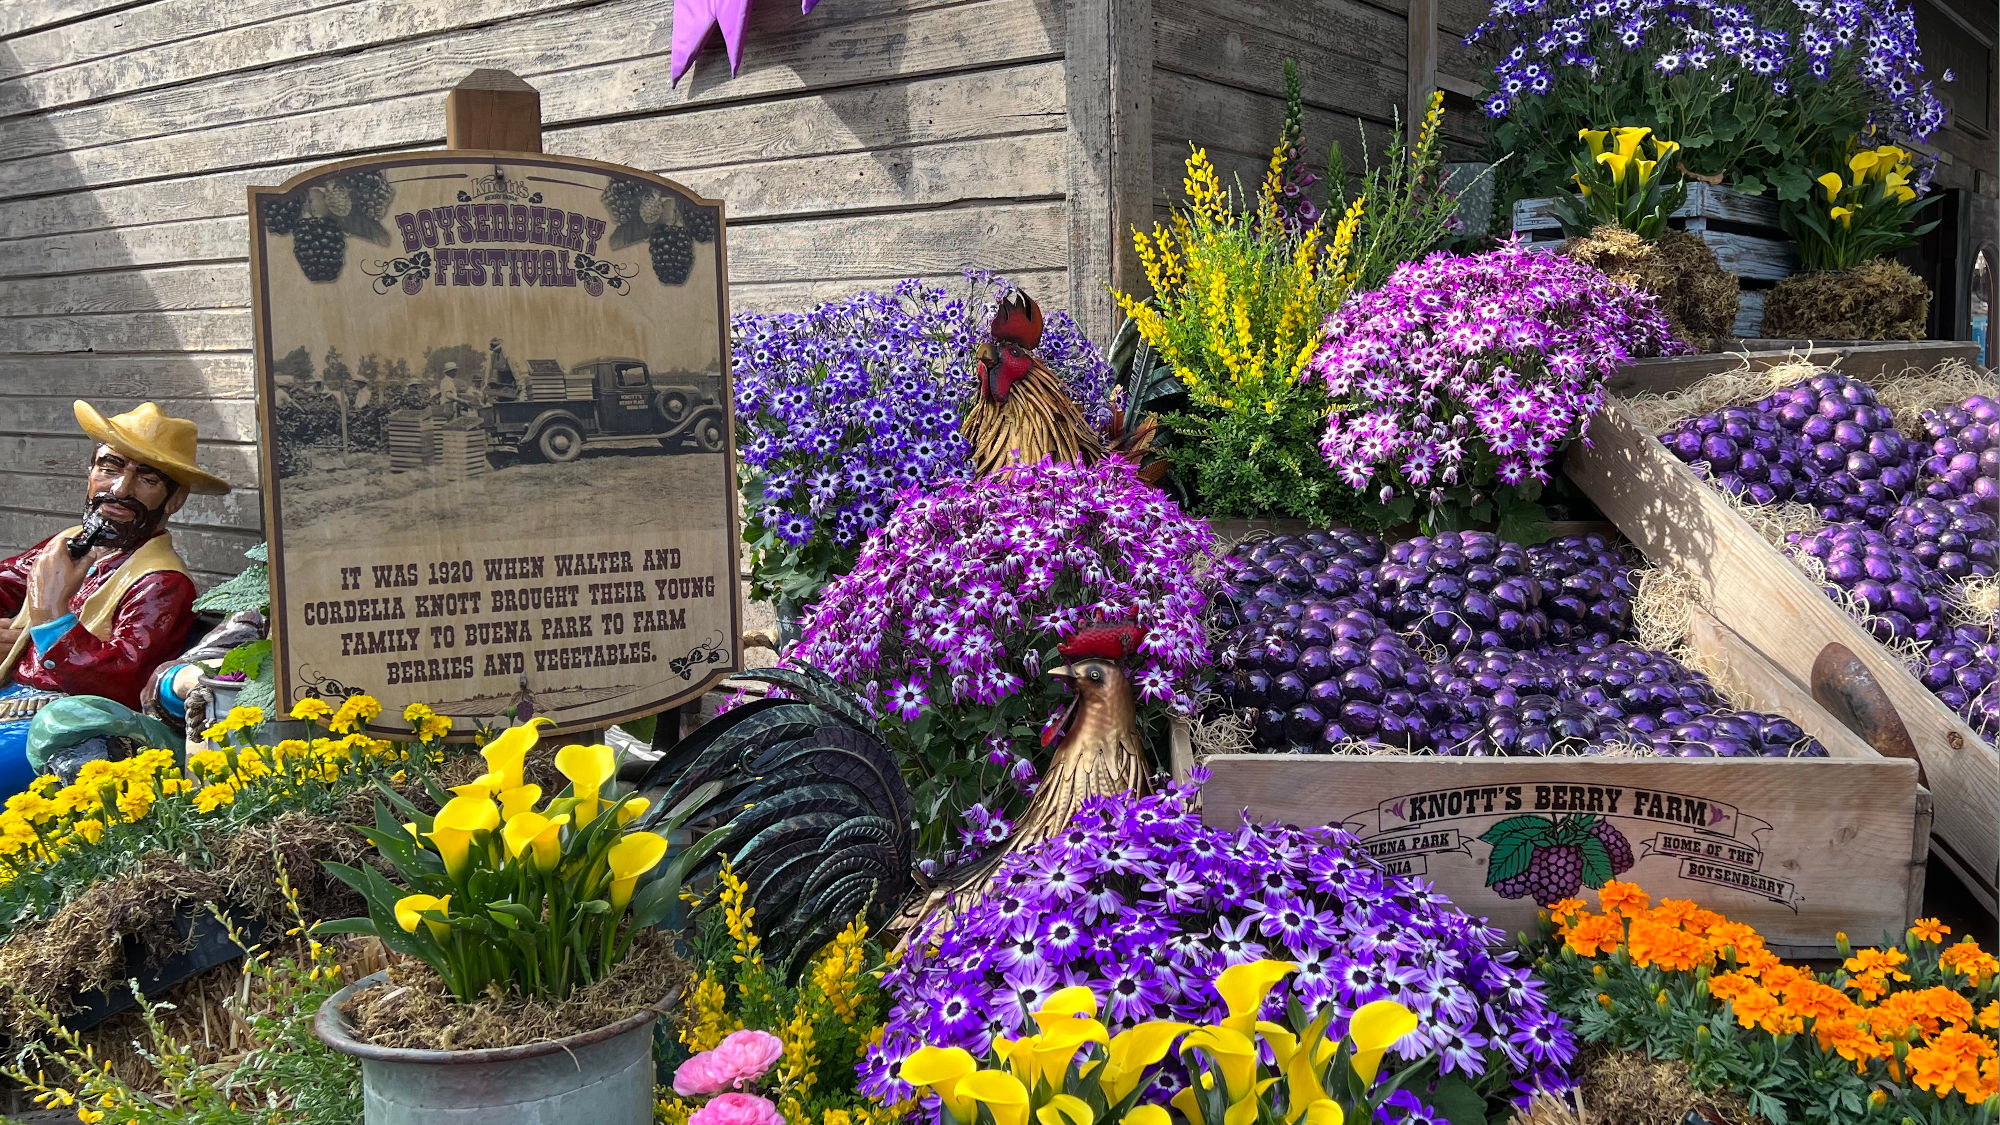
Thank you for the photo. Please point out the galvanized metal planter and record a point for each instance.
(603, 1077)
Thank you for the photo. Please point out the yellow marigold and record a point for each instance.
(310, 709)
(215, 796)
(90, 830)
(239, 718)
(355, 712)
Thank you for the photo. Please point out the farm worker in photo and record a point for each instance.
(501, 386)
(449, 399)
(94, 609)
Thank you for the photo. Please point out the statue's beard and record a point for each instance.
(123, 533)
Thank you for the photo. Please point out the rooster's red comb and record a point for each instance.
(1018, 320)
(1104, 642)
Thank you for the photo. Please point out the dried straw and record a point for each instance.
(1911, 392)
(1975, 602)
(1218, 730)
(415, 1010)
(1740, 386)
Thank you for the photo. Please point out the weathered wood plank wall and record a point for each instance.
(872, 140)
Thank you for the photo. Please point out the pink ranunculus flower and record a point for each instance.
(736, 1062)
(737, 1109)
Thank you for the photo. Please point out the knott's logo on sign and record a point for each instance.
(494, 408)
(1701, 813)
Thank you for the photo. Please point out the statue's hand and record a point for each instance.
(55, 579)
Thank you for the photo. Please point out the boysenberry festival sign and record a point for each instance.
(497, 456)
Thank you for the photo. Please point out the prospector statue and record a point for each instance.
(96, 608)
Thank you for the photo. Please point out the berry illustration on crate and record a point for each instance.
(322, 216)
(1551, 859)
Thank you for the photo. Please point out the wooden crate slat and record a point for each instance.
(1799, 848)
(1666, 374)
(1678, 520)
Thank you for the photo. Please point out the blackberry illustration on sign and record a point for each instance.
(498, 465)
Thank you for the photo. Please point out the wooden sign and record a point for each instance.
(1800, 848)
(498, 461)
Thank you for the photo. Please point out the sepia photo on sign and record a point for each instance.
(498, 464)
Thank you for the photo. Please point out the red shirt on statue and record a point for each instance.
(149, 628)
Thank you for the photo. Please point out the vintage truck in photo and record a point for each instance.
(556, 414)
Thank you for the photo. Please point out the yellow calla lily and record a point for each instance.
(520, 799)
(1325, 1111)
(1862, 163)
(481, 786)
(1844, 214)
(588, 768)
(1187, 1103)
(1280, 1039)
(1244, 988)
(1617, 162)
(1147, 1115)
(630, 809)
(507, 754)
(1594, 138)
(1066, 1109)
(1831, 182)
(536, 836)
(1131, 1051)
(1001, 1093)
(1075, 1000)
(410, 910)
(1582, 188)
(1374, 1028)
(1646, 170)
(1235, 1056)
(1902, 194)
(942, 1069)
(1244, 1110)
(1663, 149)
(632, 856)
(456, 824)
(1628, 140)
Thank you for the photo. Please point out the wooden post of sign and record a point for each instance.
(493, 109)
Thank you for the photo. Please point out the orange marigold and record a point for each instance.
(1622, 898)
(1565, 911)
(1989, 1016)
(1850, 1041)
(1871, 986)
(1929, 929)
(1878, 962)
(1927, 1009)
(1952, 1062)
(1594, 934)
(1967, 959)
(1754, 1006)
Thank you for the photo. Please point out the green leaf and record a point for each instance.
(1457, 1102)
(1514, 841)
(246, 658)
(346, 926)
(1596, 863)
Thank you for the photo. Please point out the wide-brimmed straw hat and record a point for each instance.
(148, 435)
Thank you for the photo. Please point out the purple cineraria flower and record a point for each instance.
(1515, 342)
(1155, 954)
(952, 607)
(842, 405)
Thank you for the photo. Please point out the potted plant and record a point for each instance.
(1849, 289)
(246, 676)
(1628, 182)
(530, 977)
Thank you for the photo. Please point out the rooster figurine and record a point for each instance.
(807, 802)
(1024, 414)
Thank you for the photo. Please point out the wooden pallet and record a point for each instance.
(1787, 620)
(1742, 230)
(546, 381)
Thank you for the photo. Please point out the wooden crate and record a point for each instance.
(1742, 230)
(547, 381)
(1785, 619)
(1800, 848)
(461, 453)
(412, 437)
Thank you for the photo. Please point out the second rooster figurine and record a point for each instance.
(1024, 414)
